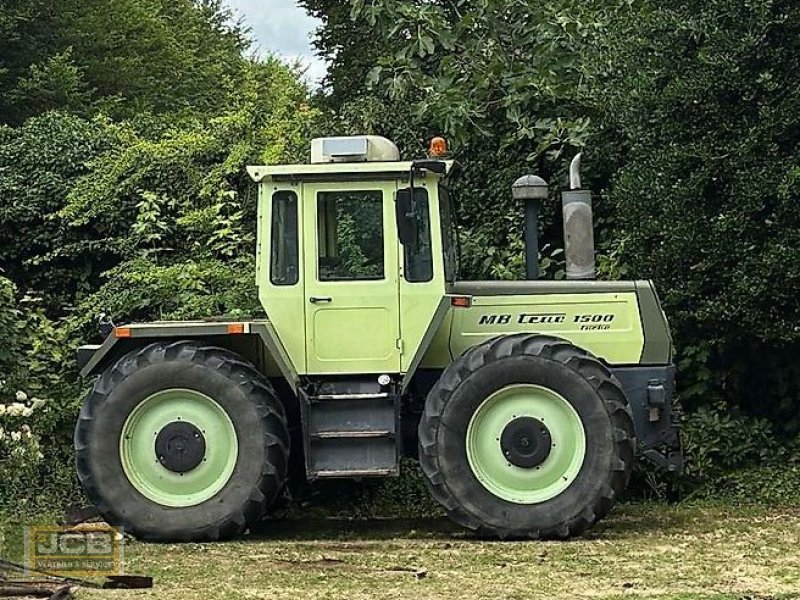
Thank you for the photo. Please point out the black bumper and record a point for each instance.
(650, 391)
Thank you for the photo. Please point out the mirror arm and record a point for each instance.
(435, 166)
(413, 212)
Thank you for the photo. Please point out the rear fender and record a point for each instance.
(255, 341)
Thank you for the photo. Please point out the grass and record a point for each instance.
(642, 551)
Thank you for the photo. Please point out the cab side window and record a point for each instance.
(284, 255)
(350, 235)
(449, 235)
(417, 253)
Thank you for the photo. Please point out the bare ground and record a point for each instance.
(642, 551)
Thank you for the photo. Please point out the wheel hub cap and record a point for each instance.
(526, 442)
(180, 446)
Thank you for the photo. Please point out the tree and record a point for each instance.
(122, 56)
(40, 162)
(706, 95)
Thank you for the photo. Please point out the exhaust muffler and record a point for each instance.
(576, 206)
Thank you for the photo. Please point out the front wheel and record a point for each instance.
(526, 436)
(183, 442)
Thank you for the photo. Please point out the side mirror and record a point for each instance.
(406, 217)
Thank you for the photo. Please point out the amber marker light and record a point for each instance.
(235, 328)
(438, 147)
(122, 332)
(461, 301)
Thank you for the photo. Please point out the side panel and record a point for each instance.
(437, 354)
(657, 337)
(427, 345)
(276, 353)
(606, 324)
(283, 303)
(420, 301)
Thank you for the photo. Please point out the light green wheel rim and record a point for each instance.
(517, 484)
(138, 454)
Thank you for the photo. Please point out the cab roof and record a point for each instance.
(348, 170)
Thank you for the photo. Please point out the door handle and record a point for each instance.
(320, 299)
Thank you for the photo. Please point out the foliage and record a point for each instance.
(177, 211)
(80, 196)
(717, 440)
(142, 290)
(40, 162)
(8, 324)
(471, 59)
(121, 56)
(508, 83)
(37, 409)
(777, 485)
(719, 220)
(20, 453)
(707, 196)
(57, 83)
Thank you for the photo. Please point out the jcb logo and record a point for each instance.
(75, 544)
(90, 552)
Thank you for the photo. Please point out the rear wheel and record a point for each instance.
(526, 436)
(179, 441)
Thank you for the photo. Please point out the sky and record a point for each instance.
(283, 28)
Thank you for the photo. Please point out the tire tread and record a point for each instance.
(550, 348)
(241, 373)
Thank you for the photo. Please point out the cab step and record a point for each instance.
(375, 396)
(353, 473)
(351, 434)
(336, 435)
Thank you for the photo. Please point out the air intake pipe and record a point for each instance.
(531, 189)
(576, 207)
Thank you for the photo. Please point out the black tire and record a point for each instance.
(578, 377)
(244, 394)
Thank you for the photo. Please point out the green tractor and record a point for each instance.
(525, 402)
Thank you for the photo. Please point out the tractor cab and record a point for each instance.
(354, 255)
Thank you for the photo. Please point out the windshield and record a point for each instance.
(449, 234)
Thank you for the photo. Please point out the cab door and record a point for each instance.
(351, 284)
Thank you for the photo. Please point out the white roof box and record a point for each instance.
(358, 148)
